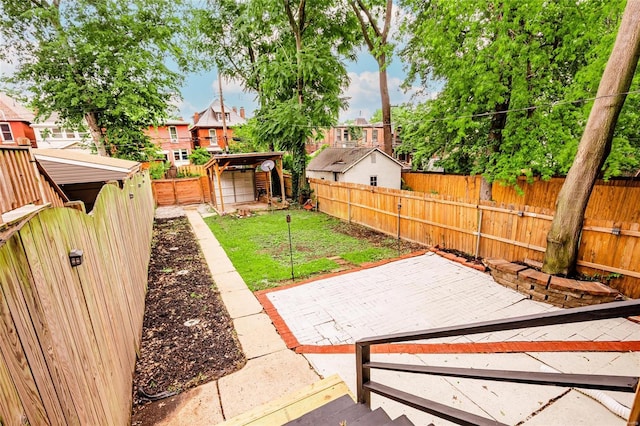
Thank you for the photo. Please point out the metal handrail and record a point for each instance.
(588, 313)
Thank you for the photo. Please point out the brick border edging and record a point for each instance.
(542, 287)
(459, 259)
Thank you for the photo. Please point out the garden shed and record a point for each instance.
(232, 177)
(365, 166)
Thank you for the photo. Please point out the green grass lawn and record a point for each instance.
(258, 245)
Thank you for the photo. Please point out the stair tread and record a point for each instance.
(374, 418)
(403, 420)
(329, 409)
(347, 415)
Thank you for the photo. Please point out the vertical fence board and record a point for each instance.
(11, 409)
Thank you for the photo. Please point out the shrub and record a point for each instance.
(158, 169)
(199, 156)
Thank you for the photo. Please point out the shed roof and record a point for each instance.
(12, 110)
(341, 159)
(70, 166)
(244, 159)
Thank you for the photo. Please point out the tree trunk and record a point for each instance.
(96, 133)
(564, 236)
(486, 189)
(387, 146)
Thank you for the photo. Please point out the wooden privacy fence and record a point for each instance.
(169, 192)
(192, 170)
(69, 335)
(617, 200)
(483, 229)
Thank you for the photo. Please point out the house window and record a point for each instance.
(181, 155)
(364, 135)
(338, 135)
(345, 132)
(374, 135)
(227, 116)
(213, 136)
(173, 134)
(373, 180)
(5, 130)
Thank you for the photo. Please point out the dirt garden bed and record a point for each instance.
(188, 337)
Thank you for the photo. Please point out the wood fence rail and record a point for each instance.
(69, 335)
(483, 229)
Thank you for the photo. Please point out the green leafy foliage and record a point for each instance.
(157, 169)
(530, 59)
(199, 156)
(101, 64)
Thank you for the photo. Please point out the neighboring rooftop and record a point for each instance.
(212, 116)
(341, 159)
(12, 110)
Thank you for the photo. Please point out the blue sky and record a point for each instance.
(364, 92)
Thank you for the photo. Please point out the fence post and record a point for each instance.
(399, 208)
(175, 192)
(349, 204)
(479, 231)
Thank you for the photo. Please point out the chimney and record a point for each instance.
(242, 112)
(235, 109)
(196, 117)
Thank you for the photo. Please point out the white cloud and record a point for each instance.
(364, 94)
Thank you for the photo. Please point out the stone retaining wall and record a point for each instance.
(562, 292)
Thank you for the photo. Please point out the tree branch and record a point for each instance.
(363, 25)
(292, 20)
(387, 21)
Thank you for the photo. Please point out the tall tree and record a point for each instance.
(496, 62)
(104, 63)
(595, 145)
(303, 76)
(374, 17)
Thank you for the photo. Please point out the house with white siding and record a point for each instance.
(365, 166)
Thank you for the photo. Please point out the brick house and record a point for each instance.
(174, 140)
(359, 134)
(207, 130)
(15, 119)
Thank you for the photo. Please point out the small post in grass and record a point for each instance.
(290, 245)
(399, 208)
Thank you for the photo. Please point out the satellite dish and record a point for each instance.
(267, 165)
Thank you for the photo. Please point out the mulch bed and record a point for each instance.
(188, 337)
